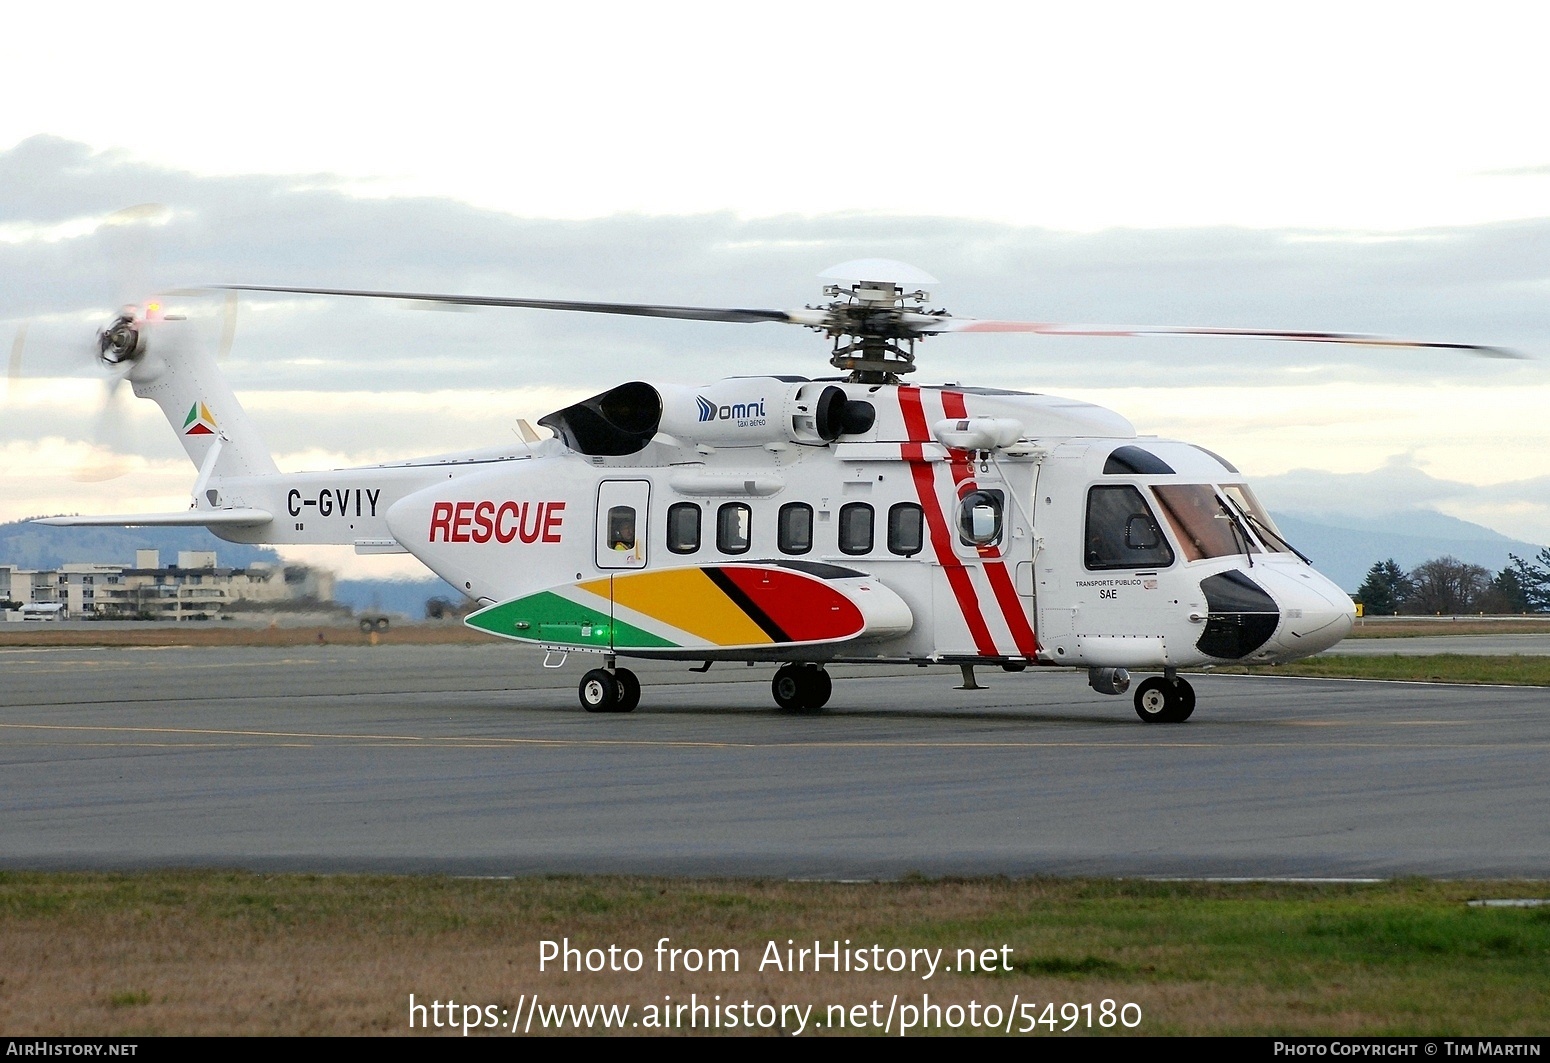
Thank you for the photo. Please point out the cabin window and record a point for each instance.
(794, 531)
(906, 529)
(733, 521)
(1121, 531)
(621, 528)
(683, 527)
(856, 528)
(979, 518)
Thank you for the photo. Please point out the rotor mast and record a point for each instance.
(867, 318)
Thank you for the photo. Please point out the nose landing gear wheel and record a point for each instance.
(1159, 701)
(801, 687)
(599, 691)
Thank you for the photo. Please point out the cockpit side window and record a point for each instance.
(1206, 527)
(1121, 531)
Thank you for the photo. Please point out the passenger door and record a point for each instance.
(623, 517)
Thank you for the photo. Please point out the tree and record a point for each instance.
(1534, 579)
(1505, 594)
(1384, 591)
(1447, 585)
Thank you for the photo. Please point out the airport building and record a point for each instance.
(196, 588)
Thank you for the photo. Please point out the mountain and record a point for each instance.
(1344, 548)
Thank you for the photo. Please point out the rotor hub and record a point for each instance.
(872, 341)
(122, 341)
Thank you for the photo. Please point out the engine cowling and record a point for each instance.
(753, 411)
(738, 412)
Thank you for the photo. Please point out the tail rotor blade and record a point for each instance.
(110, 438)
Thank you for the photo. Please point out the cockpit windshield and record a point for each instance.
(1205, 525)
(1257, 518)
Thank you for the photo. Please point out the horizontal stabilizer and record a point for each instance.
(188, 518)
(379, 546)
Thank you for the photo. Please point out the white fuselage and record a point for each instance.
(1025, 583)
(959, 524)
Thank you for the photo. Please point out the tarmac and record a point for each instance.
(476, 760)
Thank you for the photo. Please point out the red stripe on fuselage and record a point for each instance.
(941, 538)
(914, 414)
(1012, 608)
(805, 609)
(956, 407)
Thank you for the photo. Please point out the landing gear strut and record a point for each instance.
(602, 690)
(1165, 699)
(801, 687)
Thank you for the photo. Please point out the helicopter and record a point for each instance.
(849, 519)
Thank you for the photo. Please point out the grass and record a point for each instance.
(218, 952)
(1404, 627)
(1514, 670)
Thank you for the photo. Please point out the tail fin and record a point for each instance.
(176, 368)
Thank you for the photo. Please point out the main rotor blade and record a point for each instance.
(926, 324)
(687, 313)
(13, 372)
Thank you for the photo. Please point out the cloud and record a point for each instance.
(367, 380)
(1482, 283)
(1519, 171)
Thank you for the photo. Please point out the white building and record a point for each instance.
(196, 588)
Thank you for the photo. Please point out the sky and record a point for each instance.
(1360, 167)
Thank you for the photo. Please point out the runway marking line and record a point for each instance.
(1369, 723)
(76, 666)
(168, 745)
(468, 741)
(1434, 684)
(497, 742)
(203, 731)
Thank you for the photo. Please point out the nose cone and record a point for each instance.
(1315, 613)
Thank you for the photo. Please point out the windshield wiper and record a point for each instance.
(1268, 533)
(1240, 534)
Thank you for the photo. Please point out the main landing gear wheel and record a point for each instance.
(599, 691)
(605, 691)
(629, 690)
(1161, 701)
(801, 687)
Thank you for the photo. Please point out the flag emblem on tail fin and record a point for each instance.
(200, 421)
